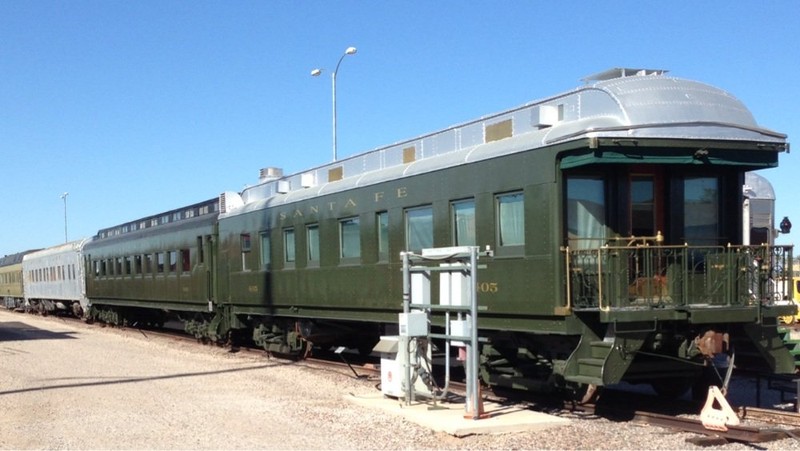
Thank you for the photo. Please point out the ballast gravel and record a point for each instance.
(69, 385)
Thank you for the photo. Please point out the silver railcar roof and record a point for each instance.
(619, 103)
(66, 248)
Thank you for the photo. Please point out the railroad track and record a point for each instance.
(769, 416)
(328, 361)
(707, 437)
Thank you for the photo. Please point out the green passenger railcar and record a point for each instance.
(140, 272)
(614, 212)
(11, 280)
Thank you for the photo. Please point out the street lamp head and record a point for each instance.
(316, 72)
(350, 51)
(64, 196)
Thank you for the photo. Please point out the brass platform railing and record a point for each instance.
(641, 275)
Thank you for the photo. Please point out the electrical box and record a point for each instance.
(421, 287)
(460, 328)
(413, 324)
(454, 286)
(393, 351)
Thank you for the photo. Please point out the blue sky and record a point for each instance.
(137, 107)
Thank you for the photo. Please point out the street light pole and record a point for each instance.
(316, 72)
(64, 196)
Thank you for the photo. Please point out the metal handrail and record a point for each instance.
(643, 275)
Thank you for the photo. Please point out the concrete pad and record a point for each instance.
(449, 417)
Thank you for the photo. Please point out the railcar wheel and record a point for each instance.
(672, 387)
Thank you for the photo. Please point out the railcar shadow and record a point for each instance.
(133, 380)
(17, 331)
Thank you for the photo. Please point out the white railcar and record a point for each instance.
(54, 279)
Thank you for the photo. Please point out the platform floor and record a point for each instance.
(449, 417)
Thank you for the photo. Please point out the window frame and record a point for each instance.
(382, 235)
(289, 244)
(312, 244)
(346, 253)
(454, 222)
(407, 227)
(265, 250)
(500, 228)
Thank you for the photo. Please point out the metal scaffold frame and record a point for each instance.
(461, 263)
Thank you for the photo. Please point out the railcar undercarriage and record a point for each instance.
(672, 359)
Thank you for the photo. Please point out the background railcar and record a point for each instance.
(139, 271)
(11, 280)
(614, 212)
(54, 279)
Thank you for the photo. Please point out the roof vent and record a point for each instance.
(308, 180)
(621, 72)
(229, 201)
(269, 174)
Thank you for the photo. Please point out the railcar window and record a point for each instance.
(173, 261)
(759, 235)
(137, 264)
(201, 257)
(288, 245)
(148, 263)
(382, 222)
(701, 210)
(129, 265)
(350, 238)
(245, 242)
(312, 242)
(186, 261)
(160, 262)
(586, 212)
(245, 245)
(643, 206)
(511, 219)
(464, 223)
(419, 228)
(266, 250)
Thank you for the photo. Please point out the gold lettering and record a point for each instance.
(402, 192)
(282, 216)
(314, 209)
(298, 214)
(378, 196)
(350, 203)
(331, 204)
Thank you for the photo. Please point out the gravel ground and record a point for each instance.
(67, 385)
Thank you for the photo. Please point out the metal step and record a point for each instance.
(591, 367)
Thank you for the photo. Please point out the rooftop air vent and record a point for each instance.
(269, 174)
(621, 72)
(229, 201)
